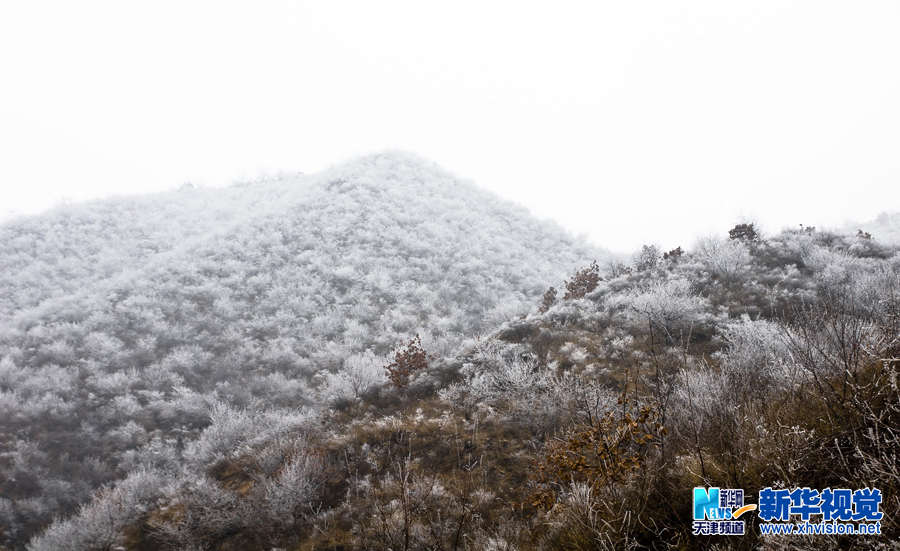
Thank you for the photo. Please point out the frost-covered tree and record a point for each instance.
(647, 258)
(724, 258)
(359, 374)
(665, 304)
(291, 493)
(100, 524)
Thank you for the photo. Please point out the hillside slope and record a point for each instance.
(74, 247)
(747, 362)
(291, 302)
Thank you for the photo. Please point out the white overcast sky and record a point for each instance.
(630, 121)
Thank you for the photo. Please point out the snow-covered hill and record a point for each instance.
(122, 321)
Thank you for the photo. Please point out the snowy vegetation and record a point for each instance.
(124, 323)
(885, 228)
(297, 419)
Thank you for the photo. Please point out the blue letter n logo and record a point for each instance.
(706, 504)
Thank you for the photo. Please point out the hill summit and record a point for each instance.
(123, 321)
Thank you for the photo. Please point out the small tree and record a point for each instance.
(408, 360)
(549, 300)
(725, 258)
(674, 254)
(602, 454)
(615, 268)
(647, 258)
(743, 232)
(584, 281)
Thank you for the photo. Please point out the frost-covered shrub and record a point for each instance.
(755, 364)
(702, 409)
(10, 375)
(616, 268)
(280, 488)
(832, 264)
(100, 524)
(200, 511)
(702, 389)
(876, 293)
(647, 258)
(573, 352)
(510, 379)
(757, 358)
(582, 397)
(360, 374)
(291, 493)
(233, 431)
(664, 303)
(724, 258)
(497, 372)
